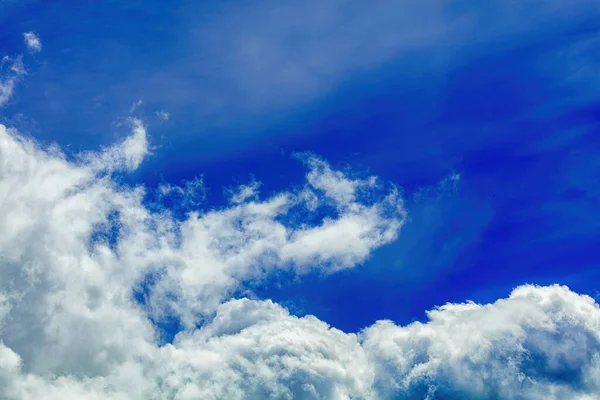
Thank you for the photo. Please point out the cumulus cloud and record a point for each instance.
(33, 42)
(68, 282)
(541, 342)
(75, 247)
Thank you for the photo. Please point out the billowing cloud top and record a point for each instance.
(75, 246)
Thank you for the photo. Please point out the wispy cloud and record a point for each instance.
(163, 115)
(126, 156)
(33, 42)
(245, 192)
(267, 56)
(136, 105)
(253, 59)
(11, 71)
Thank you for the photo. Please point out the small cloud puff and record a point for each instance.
(33, 42)
(163, 115)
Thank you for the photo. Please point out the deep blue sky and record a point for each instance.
(506, 97)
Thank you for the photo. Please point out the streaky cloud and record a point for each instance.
(11, 71)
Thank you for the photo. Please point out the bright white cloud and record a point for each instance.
(70, 329)
(67, 287)
(32, 41)
(540, 343)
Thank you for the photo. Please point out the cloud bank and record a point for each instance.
(78, 250)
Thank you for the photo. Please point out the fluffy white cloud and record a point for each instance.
(540, 343)
(67, 286)
(75, 245)
(338, 38)
(32, 41)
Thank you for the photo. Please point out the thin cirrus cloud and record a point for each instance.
(260, 57)
(267, 55)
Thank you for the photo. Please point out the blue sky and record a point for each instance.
(483, 114)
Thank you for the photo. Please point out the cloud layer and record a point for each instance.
(76, 248)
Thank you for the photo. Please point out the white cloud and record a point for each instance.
(70, 329)
(540, 343)
(67, 289)
(127, 156)
(245, 192)
(163, 115)
(9, 78)
(136, 105)
(32, 41)
(219, 248)
(188, 196)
